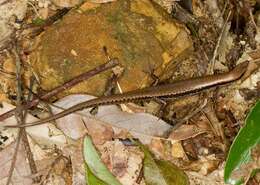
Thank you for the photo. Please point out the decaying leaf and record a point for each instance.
(142, 125)
(94, 163)
(22, 169)
(45, 134)
(159, 172)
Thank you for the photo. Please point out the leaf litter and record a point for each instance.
(197, 146)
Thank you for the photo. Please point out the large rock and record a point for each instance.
(137, 32)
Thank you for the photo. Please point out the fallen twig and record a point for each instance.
(48, 22)
(216, 50)
(18, 113)
(113, 62)
(26, 144)
(20, 117)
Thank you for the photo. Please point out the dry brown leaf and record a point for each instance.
(22, 171)
(214, 178)
(124, 162)
(74, 152)
(45, 134)
(158, 148)
(178, 151)
(141, 125)
(186, 131)
(99, 132)
(205, 165)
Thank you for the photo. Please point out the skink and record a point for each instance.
(176, 89)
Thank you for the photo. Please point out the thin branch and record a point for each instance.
(216, 50)
(18, 112)
(65, 86)
(10, 173)
(48, 22)
(20, 117)
(26, 144)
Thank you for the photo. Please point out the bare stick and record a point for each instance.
(216, 50)
(26, 144)
(18, 113)
(113, 62)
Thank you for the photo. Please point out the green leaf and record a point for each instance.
(95, 164)
(92, 179)
(159, 172)
(38, 21)
(240, 149)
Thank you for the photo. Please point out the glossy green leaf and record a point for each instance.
(246, 139)
(95, 165)
(159, 172)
